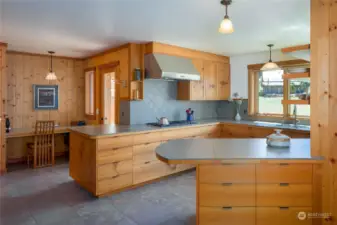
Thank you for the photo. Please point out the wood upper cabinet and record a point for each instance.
(210, 80)
(223, 73)
(213, 85)
(193, 90)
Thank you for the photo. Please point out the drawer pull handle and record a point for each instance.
(284, 184)
(227, 164)
(227, 184)
(284, 164)
(284, 208)
(227, 208)
(147, 162)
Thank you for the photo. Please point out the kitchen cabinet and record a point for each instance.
(214, 82)
(117, 162)
(223, 81)
(193, 90)
(255, 195)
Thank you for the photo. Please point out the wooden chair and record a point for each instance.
(42, 150)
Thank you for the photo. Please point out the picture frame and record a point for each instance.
(45, 97)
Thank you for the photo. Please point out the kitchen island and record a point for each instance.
(105, 159)
(243, 181)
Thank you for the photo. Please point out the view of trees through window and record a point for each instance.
(271, 93)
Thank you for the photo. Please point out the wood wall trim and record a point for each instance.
(296, 48)
(156, 47)
(324, 99)
(287, 63)
(41, 55)
(110, 50)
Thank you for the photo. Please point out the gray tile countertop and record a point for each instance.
(233, 149)
(107, 130)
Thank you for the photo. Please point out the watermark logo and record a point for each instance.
(312, 215)
(301, 215)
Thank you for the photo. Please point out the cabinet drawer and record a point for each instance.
(178, 134)
(114, 155)
(227, 194)
(113, 169)
(284, 195)
(114, 142)
(235, 173)
(147, 138)
(115, 183)
(149, 171)
(284, 173)
(281, 216)
(228, 216)
(144, 153)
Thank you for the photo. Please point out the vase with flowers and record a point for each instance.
(238, 102)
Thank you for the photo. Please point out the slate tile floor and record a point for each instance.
(49, 196)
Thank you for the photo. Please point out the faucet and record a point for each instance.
(296, 121)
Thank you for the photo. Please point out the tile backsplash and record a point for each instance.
(160, 100)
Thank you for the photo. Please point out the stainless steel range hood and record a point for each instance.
(162, 66)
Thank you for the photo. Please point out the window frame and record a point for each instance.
(253, 87)
(90, 116)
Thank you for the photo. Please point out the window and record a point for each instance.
(275, 93)
(90, 93)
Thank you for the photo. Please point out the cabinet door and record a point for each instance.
(223, 77)
(197, 87)
(210, 77)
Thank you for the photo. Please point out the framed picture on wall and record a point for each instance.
(45, 97)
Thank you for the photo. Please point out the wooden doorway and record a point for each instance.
(109, 93)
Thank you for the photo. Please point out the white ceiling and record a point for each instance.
(81, 28)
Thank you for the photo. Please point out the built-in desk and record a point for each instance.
(27, 132)
(18, 138)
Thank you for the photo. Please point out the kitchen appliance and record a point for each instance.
(172, 123)
(162, 66)
(163, 121)
(278, 140)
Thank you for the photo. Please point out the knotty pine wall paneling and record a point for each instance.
(24, 70)
(3, 93)
(324, 99)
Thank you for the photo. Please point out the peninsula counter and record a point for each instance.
(242, 181)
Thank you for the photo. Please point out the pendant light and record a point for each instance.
(270, 65)
(226, 25)
(51, 75)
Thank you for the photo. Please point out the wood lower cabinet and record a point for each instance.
(109, 164)
(282, 216)
(227, 194)
(249, 194)
(227, 215)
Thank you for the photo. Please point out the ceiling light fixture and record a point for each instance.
(51, 75)
(226, 25)
(270, 65)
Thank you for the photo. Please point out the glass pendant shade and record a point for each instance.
(226, 26)
(270, 66)
(51, 76)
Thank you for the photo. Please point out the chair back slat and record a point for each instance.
(44, 143)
